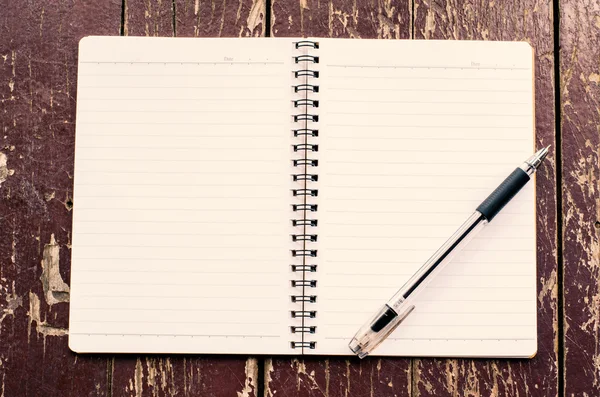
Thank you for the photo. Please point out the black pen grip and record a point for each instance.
(503, 194)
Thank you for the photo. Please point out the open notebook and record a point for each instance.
(266, 196)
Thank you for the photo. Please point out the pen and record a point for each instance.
(391, 315)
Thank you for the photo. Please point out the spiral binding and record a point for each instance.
(307, 43)
(306, 131)
(310, 345)
(305, 192)
(304, 237)
(310, 330)
(306, 147)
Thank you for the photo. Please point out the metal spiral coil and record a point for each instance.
(306, 72)
(305, 131)
(306, 58)
(306, 102)
(303, 313)
(296, 330)
(305, 207)
(305, 192)
(303, 298)
(305, 116)
(297, 253)
(306, 87)
(307, 43)
(305, 119)
(305, 222)
(305, 177)
(304, 237)
(304, 268)
(306, 146)
(308, 345)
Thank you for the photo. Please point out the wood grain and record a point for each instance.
(159, 376)
(580, 101)
(226, 18)
(334, 376)
(531, 21)
(38, 65)
(338, 18)
(337, 376)
(163, 375)
(149, 18)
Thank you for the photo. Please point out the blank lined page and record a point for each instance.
(414, 136)
(181, 205)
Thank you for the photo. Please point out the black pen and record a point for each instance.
(377, 329)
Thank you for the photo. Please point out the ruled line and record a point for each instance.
(170, 271)
(431, 114)
(443, 127)
(179, 63)
(174, 75)
(387, 78)
(121, 309)
(448, 339)
(450, 67)
(428, 102)
(372, 137)
(170, 322)
(175, 335)
(345, 88)
(179, 111)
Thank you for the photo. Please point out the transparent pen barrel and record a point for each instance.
(437, 262)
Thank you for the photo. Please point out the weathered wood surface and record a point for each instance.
(338, 18)
(580, 104)
(38, 49)
(532, 21)
(38, 66)
(194, 18)
(38, 70)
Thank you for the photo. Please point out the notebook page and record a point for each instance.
(415, 134)
(181, 205)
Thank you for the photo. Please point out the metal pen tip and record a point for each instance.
(537, 158)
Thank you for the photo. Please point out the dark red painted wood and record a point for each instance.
(335, 376)
(580, 91)
(149, 18)
(38, 77)
(203, 18)
(338, 18)
(159, 376)
(338, 376)
(531, 21)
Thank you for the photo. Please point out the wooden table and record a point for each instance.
(38, 66)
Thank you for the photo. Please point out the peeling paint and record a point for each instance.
(327, 378)
(250, 385)
(256, 17)
(55, 289)
(13, 302)
(41, 326)
(138, 378)
(269, 377)
(308, 379)
(429, 28)
(4, 171)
